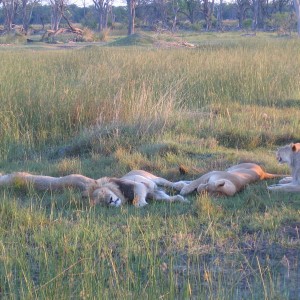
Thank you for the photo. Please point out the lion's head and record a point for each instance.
(284, 154)
(105, 196)
(220, 187)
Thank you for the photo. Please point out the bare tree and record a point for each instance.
(259, 13)
(207, 9)
(26, 10)
(9, 8)
(103, 7)
(220, 16)
(175, 9)
(57, 9)
(297, 10)
(242, 7)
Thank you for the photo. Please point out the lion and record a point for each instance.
(229, 182)
(135, 187)
(289, 154)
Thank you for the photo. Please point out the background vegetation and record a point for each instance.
(102, 111)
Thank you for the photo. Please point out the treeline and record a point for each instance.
(155, 14)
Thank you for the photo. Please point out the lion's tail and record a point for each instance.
(272, 176)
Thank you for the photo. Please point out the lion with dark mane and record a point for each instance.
(135, 187)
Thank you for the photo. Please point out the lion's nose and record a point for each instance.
(112, 201)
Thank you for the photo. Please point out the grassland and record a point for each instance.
(104, 110)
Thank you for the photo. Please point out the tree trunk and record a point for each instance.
(297, 9)
(255, 14)
(100, 20)
(175, 9)
(10, 8)
(27, 8)
(208, 8)
(131, 16)
(57, 9)
(220, 16)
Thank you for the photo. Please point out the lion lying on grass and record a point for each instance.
(227, 182)
(135, 187)
(289, 154)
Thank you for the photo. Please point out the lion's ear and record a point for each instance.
(294, 148)
(220, 183)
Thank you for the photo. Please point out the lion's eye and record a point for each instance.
(111, 200)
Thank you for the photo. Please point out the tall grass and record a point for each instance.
(48, 97)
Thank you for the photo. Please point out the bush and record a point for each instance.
(103, 35)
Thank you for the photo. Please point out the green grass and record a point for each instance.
(102, 111)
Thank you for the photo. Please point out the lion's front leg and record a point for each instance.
(161, 195)
(174, 185)
(286, 180)
(288, 187)
(140, 193)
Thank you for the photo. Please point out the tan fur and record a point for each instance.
(39, 182)
(289, 154)
(135, 187)
(228, 182)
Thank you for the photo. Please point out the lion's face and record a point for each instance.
(283, 154)
(105, 196)
(220, 187)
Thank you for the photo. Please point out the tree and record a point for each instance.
(10, 8)
(102, 7)
(57, 9)
(131, 4)
(207, 10)
(220, 16)
(175, 9)
(27, 8)
(258, 13)
(242, 7)
(192, 9)
(297, 9)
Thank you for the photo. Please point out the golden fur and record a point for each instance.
(135, 187)
(289, 154)
(42, 183)
(227, 182)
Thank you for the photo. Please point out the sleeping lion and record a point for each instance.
(135, 187)
(289, 154)
(227, 182)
